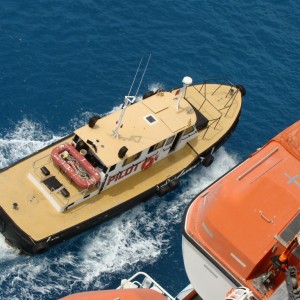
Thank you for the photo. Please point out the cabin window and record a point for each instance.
(112, 168)
(156, 146)
(75, 139)
(131, 159)
(188, 130)
(170, 140)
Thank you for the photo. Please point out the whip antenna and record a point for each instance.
(135, 76)
(143, 75)
(129, 99)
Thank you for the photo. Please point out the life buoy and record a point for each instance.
(147, 163)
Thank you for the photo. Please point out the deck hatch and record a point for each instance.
(150, 119)
(52, 183)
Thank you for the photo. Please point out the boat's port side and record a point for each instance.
(147, 158)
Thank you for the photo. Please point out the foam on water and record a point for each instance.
(24, 139)
(119, 246)
(155, 86)
(6, 251)
(36, 278)
(27, 137)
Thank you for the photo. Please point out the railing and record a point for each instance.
(203, 92)
(145, 282)
(233, 93)
(54, 193)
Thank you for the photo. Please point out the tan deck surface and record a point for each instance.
(37, 216)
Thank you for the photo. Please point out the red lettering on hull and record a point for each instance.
(122, 174)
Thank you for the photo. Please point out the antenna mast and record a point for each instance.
(129, 99)
(186, 82)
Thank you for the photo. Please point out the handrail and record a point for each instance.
(148, 282)
(228, 104)
(258, 163)
(54, 193)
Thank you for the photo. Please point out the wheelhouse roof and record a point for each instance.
(137, 133)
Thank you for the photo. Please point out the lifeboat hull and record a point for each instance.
(128, 294)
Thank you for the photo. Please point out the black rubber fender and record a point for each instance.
(41, 247)
(173, 184)
(148, 94)
(93, 120)
(162, 190)
(208, 160)
(2, 226)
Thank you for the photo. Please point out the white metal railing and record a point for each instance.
(146, 282)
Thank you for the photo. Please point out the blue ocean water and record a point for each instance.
(63, 61)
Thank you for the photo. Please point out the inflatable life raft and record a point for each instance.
(75, 166)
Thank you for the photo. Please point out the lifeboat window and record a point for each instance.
(290, 231)
(150, 119)
(131, 159)
(188, 130)
(156, 146)
(170, 140)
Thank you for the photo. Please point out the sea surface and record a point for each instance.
(63, 61)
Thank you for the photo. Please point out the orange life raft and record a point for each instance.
(67, 165)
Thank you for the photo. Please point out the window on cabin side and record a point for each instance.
(156, 146)
(170, 140)
(131, 159)
(112, 168)
(188, 130)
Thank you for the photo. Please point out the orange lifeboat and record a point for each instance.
(128, 294)
(75, 165)
(243, 230)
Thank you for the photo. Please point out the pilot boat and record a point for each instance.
(241, 234)
(114, 162)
